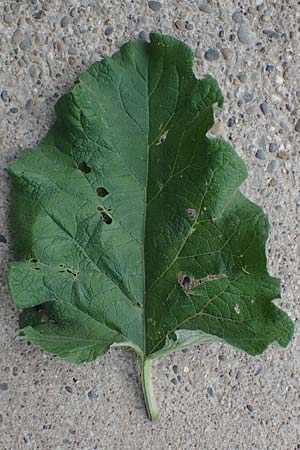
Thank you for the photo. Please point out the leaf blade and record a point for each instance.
(143, 230)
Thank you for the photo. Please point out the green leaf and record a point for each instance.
(130, 225)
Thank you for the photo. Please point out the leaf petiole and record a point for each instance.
(147, 386)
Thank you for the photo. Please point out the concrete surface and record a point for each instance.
(212, 397)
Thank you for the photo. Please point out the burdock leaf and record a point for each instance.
(130, 225)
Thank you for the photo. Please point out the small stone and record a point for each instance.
(212, 55)
(29, 105)
(13, 110)
(3, 387)
(144, 35)
(119, 44)
(155, 6)
(271, 34)
(237, 17)
(275, 98)
(4, 96)
(250, 408)
(186, 369)
(297, 126)
(39, 15)
(90, 395)
(3, 240)
(64, 22)
(1, 418)
(68, 389)
(270, 68)
(251, 110)
(175, 368)
(248, 97)
(22, 62)
(272, 147)
(108, 30)
(264, 108)
(174, 380)
(179, 24)
(283, 155)
(242, 77)
(15, 371)
(279, 80)
(189, 26)
(210, 392)
(33, 71)
(260, 154)
(38, 40)
(204, 7)
(141, 19)
(17, 36)
(245, 35)
(8, 18)
(71, 60)
(25, 44)
(72, 51)
(272, 166)
(227, 53)
(231, 122)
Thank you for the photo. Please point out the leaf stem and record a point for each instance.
(147, 386)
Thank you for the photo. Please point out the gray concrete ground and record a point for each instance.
(212, 397)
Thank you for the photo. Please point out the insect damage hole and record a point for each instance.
(107, 219)
(34, 262)
(237, 309)
(191, 213)
(102, 192)
(84, 167)
(162, 137)
(187, 282)
(184, 280)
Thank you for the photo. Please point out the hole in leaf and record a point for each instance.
(162, 137)
(107, 219)
(191, 213)
(74, 272)
(84, 167)
(184, 280)
(102, 192)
